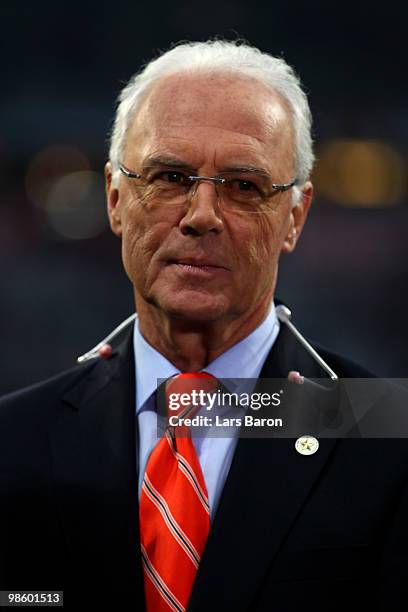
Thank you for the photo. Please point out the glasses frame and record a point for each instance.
(216, 180)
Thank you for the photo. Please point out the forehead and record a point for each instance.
(206, 115)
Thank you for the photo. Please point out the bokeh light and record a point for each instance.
(48, 166)
(75, 206)
(360, 173)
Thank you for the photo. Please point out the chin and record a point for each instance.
(194, 307)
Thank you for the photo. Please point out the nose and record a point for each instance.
(203, 213)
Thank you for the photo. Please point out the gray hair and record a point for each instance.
(218, 56)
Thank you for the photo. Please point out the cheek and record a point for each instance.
(132, 239)
(142, 238)
(264, 243)
(136, 245)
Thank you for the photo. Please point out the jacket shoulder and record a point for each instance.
(71, 387)
(344, 367)
(43, 393)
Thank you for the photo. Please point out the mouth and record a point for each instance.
(200, 267)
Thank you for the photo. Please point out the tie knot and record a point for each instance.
(187, 393)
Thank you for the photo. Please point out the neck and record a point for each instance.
(191, 345)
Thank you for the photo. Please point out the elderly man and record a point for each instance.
(207, 184)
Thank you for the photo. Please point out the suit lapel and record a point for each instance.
(267, 485)
(93, 450)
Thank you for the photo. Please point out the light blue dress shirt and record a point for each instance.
(243, 360)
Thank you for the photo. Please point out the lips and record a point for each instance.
(196, 263)
(196, 268)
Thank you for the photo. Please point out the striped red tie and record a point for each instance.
(174, 509)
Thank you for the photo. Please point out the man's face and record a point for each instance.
(199, 262)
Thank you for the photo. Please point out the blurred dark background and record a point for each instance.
(63, 64)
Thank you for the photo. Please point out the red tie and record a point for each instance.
(174, 510)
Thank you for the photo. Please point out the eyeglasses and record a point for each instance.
(246, 191)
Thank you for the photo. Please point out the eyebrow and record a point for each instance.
(176, 162)
(239, 168)
(167, 160)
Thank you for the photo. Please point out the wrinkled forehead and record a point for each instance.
(239, 105)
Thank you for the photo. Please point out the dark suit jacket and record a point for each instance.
(323, 532)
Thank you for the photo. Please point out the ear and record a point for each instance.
(297, 218)
(112, 198)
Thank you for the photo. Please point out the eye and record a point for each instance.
(175, 178)
(241, 185)
(245, 185)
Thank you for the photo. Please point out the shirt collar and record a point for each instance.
(243, 360)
